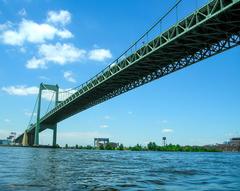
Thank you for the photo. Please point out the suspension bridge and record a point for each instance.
(209, 30)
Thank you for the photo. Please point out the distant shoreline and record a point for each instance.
(150, 147)
(97, 149)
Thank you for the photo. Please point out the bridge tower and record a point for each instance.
(43, 87)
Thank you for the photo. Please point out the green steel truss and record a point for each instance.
(210, 30)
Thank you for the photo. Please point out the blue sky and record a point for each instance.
(58, 42)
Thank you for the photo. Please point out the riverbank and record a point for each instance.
(150, 147)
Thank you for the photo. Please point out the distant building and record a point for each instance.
(164, 141)
(12, 136)
(104, 142)
(235, 141)
(113, 145)
(4, 142)
(9, 140)
(100, 141)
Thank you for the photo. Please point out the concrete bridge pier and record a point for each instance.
(28, 139)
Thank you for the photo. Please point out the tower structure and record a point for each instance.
(164, 139)
(43, 87)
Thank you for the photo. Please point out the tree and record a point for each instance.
(109, 147)
(152, 146)
(101, 147)
(66, 146)
(136, 148)
(121, 147)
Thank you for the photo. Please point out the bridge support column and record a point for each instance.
(36, 137)
(55, 126)
(25, 139)
(54, 144)
(28, 139)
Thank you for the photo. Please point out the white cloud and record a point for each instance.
(33, 90)
(35, 63)
(99, 54)
(103, 126)
(68, 75)
(22, 12)
(62, 54)
(64, 33)
(59, 17)
(59, 54)
(5, 26)
(2, 27)
(12, 38)
(167, 130)
(20, 90)
(26, 91)
(29, 31)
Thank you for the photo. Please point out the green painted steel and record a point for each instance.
(38, 125)
(208, 31)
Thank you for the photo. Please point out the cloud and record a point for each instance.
(130, 112)
(2, 27)
(30, 31)
(167, 130)
(33, 90)
(35, 63)
(103, 126)
(59, 54)
(5, 26)
(26, 91)
(20, 90)
(22, 12)
(99, 54)
(68, 75)
(59, 17)
(12, 38)
(64, 33)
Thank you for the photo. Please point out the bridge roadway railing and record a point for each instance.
(149, 43)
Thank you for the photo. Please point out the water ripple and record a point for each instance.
(59, 169)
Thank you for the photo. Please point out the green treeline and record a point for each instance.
(152, 146)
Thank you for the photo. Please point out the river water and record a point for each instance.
(60, 169)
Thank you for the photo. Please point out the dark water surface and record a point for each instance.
(59, 169)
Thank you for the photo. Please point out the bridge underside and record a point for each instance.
(209, 31)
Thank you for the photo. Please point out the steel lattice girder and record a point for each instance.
(210, 30)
